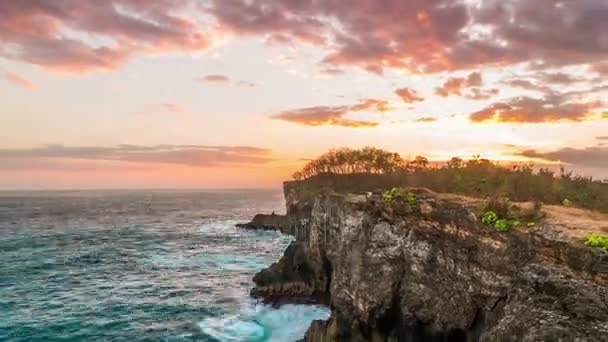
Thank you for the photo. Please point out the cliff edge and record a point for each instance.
(431, 271)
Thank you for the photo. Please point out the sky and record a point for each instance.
(241, 93)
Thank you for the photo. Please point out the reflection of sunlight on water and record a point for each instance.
(262, 323)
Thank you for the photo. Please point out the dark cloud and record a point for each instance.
(526, 84)
(551, 108)
(334, 115)
(190, 155)
(602, 138)
(456, 85)
(75, 35)
(559, 78)
(480, 94)
(409, 95)
(429, 36)
(417, 35)
(216, 78)
(593, 157)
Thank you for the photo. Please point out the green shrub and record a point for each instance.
(489, 217)
(411, 199)
(503, 225)
(476, 177)
(597, 241)
(391, 195)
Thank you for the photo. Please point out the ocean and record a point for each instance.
(140, 266)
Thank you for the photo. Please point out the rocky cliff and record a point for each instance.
(430, 271)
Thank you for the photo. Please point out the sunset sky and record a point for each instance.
(239, 93)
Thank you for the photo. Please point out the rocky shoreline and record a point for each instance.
(430, 271)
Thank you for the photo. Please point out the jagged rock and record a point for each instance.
(266, 222)
(434, 273)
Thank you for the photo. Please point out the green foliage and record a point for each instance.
(346, 161)
(499, 223)
(411, 199)
(489, 217)
(476, 177)
(597, 241)
(391, 195)
(503, 225)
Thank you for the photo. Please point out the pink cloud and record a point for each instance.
(455, 85)
(216, 78)
(334, 115)
(408, 95)
(19, 80)
(36, 32)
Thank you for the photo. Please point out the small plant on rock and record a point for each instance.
(597, 241)
(391, 195)
(411, 199)
(503, 225)
(489, 217)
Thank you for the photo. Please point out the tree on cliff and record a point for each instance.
(346, 160)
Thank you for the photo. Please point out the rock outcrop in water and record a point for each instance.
(266, 222)
(432, 272)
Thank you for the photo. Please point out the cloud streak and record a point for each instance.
(19, 80)
(188, 155)
(593, 157)
(216, 78)
(551, 108)
(334, 115)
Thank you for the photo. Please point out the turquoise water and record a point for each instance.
(139, 266)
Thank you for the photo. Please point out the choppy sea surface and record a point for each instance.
(139, 266)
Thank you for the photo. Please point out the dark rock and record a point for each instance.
(433, 273)
(266, 222)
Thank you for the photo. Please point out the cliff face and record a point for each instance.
(431, 271)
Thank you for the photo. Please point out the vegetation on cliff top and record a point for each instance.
(597, 241)
(476, 177)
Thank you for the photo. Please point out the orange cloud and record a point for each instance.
(19, 81)
(455, 86)
(333, 115)
(552, 108)
(408, 95)
(373, 105)
(216, 78)
(189, 155)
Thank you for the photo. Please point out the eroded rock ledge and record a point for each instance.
(432, 272)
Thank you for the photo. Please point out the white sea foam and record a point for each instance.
(262, 323)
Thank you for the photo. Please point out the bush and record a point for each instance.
(489, 217)
(391, 195)
(475, 177)
(597, 241)
(503, 225)
(411, 199)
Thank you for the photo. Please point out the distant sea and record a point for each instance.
(140, 266)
